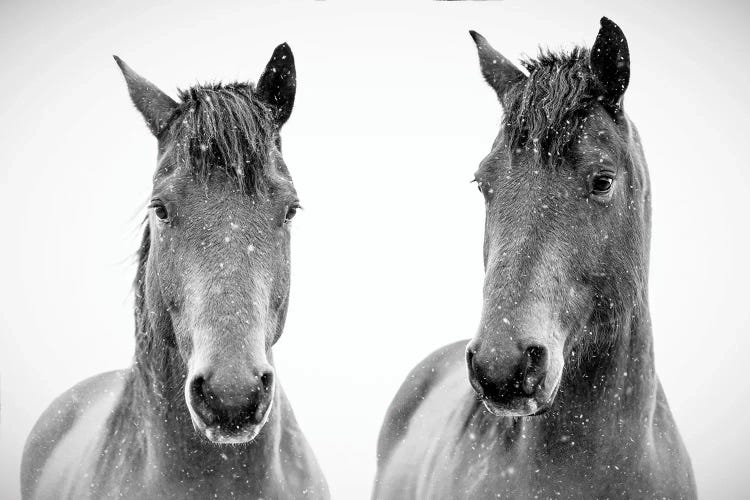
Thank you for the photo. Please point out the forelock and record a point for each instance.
(225, 127)
(545, 112)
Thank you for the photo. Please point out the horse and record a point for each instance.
(562, 399)
(200, 413)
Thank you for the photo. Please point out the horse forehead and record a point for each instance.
(598, 133)
(519, 177)
(520, 173)
(227, 205)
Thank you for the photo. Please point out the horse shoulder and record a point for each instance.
(412, 393)
(58, 420)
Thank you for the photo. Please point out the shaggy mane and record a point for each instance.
(226, 126)
(543, 111)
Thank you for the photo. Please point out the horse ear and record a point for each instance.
(498, 71)
(610, 63)
(277, 85)
(155, 106)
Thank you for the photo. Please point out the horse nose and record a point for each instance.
(230, 400)
(503, 374)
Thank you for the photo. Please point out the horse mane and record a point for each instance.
(226, 127)
(544, 111)
(151, 357)
(157, 363)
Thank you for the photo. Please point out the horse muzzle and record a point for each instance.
(231, 409)
(515, 380)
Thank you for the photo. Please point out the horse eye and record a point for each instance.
(602, 184)
(290, 213)
(161, 212)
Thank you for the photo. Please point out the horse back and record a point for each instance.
(59, 420)
(412, 393)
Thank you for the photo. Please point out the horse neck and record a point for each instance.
(613, 388)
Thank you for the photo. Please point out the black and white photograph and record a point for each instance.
(386, 250)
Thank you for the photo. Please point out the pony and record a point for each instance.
(200, 413)
(562, 398)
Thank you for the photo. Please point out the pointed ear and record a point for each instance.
(277, 85)
(610, 63)
(498, 71)
(155, 106)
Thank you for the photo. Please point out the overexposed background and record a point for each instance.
(391, 120)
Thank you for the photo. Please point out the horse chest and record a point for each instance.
(231, 479)
(157, 480)
(471, 454)
(485, 472)
(90, 462)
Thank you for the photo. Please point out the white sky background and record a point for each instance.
(391, 120)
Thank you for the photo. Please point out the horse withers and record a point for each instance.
(562, 399)
(200, 413)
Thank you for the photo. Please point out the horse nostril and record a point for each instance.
(475, 378)
(202, 400)
(534, 369)
(266, 380)
(196, 388)
(470, 356)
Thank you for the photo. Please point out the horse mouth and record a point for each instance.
(527, 407)
(519, 406)
(217, 435)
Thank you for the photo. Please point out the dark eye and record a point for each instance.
(291, 212)
(160, 211)
(602, 184)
